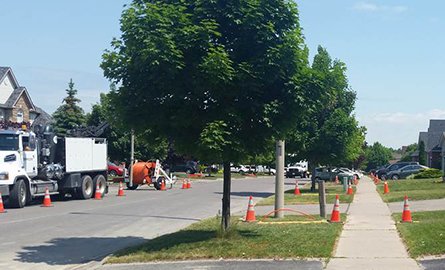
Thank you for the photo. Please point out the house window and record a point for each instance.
(20, 116)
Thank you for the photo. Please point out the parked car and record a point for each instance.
(294, 171)
(354, 173)
(329, 174)
(190, 167)
(239, 169)
(383, 173)
(114, 170)
(265, 170)
(405, 171)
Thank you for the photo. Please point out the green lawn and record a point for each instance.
(213, 176)
(308, 197)
(415, 189)
(426, 236)
(202, 240)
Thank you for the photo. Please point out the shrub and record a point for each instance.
(428, 173)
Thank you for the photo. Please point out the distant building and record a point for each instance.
(15, 103)
(434, 145)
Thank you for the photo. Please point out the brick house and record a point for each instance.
(433, 142)
(15, 103)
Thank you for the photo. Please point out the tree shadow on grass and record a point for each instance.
(249, 193)
(75, 250)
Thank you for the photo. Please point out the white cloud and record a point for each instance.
(371, 7)
(396, 129)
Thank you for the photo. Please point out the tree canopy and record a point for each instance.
(377, 155)
(69, 115)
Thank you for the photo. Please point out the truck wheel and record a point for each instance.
(133, 187)
(18, 196)
(102, 184)
(158, 183)
(85, 191)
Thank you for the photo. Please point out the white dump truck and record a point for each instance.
(31, 162)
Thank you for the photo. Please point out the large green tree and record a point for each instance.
(328, 133)
(217, 78)
(377, 155)
(69, 115)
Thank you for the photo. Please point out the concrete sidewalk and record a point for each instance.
(369, 239)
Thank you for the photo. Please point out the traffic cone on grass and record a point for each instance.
(335, 216)
(189, 184)
(98, 194)
(47, 199)
(385, 188)
(120, 193)
(250, 215)
(2, 208)
(184, 184)
(297, 190)
(350, 190)
(406, 215)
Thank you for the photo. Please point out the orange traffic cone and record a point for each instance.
(336, 180)
(189, 184)
(335, 216)
(47, 199)
(406, 215)
(184, 184)
(121, 190)
(385, 188)
(163, 185)
(297, 190)
(98, 194)
(350, 190)
(250, 215)
(2, 208)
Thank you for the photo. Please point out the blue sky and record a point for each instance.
(393, 50)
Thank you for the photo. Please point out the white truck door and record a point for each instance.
(29, 155)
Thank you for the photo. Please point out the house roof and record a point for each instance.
(437, 125)
(43, 118)
(3, 72)
(433, 140)
(16, 94)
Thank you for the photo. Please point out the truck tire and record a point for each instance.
(158, 183)
(100, 179)
(133, 187)
(85, 191)
(18, 196)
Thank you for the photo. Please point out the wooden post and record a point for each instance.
(131, 157)
(279, 179)
(322, 198)
(225, 221)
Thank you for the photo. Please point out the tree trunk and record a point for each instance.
(313, 179)
(225, 222)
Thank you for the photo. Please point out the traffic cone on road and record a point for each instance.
(385, 188)
(336, 180)
(184, 184)
(120, 193)
(2, 208)
(350, 190)
(98, 194)
(406, 215)
(297, 190)
(47, 199)
(335, 216)
(189, 184)
(250, 215)
(163, 185)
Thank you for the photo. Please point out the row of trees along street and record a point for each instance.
(222, 81)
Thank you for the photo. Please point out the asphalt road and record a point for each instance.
(76, 232)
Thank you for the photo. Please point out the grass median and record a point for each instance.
(203, 240)
(426, 236)
(415, 189)
(308, 197)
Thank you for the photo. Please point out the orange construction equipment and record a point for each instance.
(335, 216)
(297, 190)
(47, 199)
(163, 185)
(184, 184)
(98, 194)
(406, 215)
(120, 193)
(2, 208)
(385, 188)
(189, 184)
(250, 215)
(336, 180)
(350, 190)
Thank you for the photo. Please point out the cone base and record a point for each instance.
(47, 205)
(120, 195)
(3, 212)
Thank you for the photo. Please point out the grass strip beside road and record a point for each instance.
(426, 236)
(415, 189)
(203, 240)
(308, 197)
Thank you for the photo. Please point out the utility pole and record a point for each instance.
(279, 178)
(131, 157)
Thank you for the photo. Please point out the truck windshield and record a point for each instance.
(9, 142)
